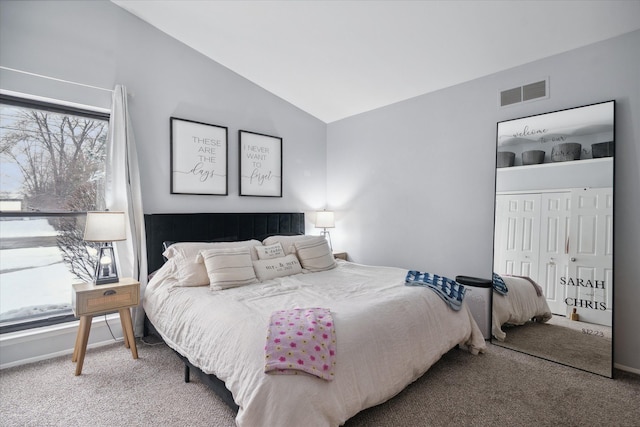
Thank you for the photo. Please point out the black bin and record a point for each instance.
(478, 298)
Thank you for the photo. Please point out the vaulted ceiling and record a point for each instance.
(334, 59)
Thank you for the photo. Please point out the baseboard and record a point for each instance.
(34, 345)
(626, 368)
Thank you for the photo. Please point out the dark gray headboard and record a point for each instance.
(194, 227)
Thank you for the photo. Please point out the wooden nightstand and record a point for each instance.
(340, 255)
(89, 300)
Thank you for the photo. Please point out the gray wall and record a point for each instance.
(413, 183)
(98, 43)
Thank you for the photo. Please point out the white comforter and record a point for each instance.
(387, 336)
(519, 306)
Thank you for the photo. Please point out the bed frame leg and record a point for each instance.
(186, 373)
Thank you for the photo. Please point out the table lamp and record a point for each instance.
(324, 220)
(105, 227)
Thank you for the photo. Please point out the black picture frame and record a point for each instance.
(199, 158)
(260, 158)
(554, 211)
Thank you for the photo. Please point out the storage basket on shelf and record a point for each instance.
(505, 159)
(533, 157)
(602, 149)
(566, 152)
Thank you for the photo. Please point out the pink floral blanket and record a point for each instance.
(301, 341)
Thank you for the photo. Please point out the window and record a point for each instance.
(52, 169)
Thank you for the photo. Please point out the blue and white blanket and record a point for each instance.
(449, 290)
(498, 285)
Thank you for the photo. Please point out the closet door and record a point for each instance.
(517, 234)
(589, 283)
(555, 216)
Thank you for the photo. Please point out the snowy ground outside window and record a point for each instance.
(33, 280)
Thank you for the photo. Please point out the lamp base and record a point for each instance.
(327, 236)
(106, 270)
(105, 280)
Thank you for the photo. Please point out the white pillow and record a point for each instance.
(271, 251)
(191, 249)
(228, 268)
(287, 242)
(314, 254)
(189, 272)
(277, 267)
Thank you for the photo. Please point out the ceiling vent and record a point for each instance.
(529, 92)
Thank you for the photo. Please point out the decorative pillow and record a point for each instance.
(228, 268)
(167, 243)
(191, 249)
(189, 272)
(314, 254)
(277, 267)
(262, 237)
(271, 251)
(287, 242)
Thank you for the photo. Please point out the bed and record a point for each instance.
(386, 334)
(523, 302)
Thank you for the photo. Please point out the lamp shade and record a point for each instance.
(105, 227)
(325, 219)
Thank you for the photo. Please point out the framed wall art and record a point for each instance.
(198, 158)
(260, 164)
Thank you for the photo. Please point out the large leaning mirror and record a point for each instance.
(553, 242)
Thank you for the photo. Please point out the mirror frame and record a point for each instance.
(556, 145)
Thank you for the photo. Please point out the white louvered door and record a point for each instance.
(589, 282)
(563, 241)
(555, 219)
(517, 240)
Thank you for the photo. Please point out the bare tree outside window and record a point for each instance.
(51, 163)
(60, 157)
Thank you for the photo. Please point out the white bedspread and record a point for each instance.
(387, 336)
(519, 306)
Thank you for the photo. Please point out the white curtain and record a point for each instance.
(122, 193)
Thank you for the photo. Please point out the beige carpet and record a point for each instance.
(564, 341)
(499, 388)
